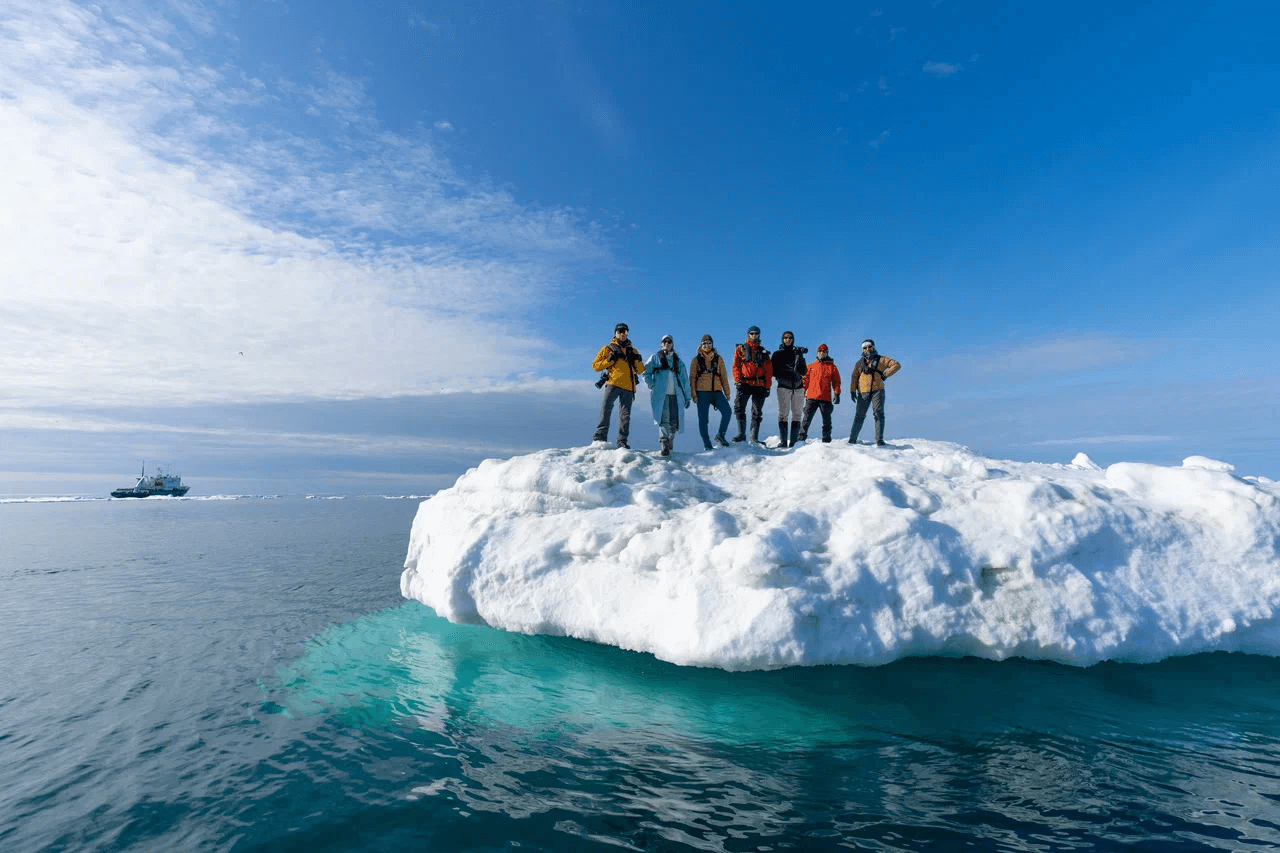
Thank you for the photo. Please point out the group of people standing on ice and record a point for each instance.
(803, 388)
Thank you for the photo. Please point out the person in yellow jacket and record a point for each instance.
(622, 366)
(869, 375)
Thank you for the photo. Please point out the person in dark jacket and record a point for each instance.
(821, 391)
(788, 371)
(752, 378)
(623, 364)
(867, 383)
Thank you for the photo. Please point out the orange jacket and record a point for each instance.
(822, 380)
(752, 365)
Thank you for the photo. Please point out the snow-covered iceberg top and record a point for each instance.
(750, 558)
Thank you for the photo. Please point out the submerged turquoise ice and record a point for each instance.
(263, 687)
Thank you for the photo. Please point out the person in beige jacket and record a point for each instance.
(709, 380)
(867, 383)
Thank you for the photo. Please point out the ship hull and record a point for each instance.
(146, 493)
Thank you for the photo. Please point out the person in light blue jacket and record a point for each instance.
(667, 376)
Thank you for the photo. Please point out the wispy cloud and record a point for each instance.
(443, 125)
(1058, 356)
(1084, 441)
(880, 140)
(942, 69)
(165, 237)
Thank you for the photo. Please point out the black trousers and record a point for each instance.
(873, 400)
(812, 406)
(757, 394)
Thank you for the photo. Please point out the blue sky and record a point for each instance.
(358, 247)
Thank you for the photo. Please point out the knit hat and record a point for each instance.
(706, 339)
(751, 329)
(822, 347)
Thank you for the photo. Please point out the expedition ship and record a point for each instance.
(159, 483)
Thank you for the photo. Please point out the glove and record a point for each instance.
(836, 399)
(687, 402)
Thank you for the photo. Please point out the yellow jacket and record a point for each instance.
(864, 381)
(622, 371)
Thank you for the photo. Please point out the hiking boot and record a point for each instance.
(879, 443)
(707, 445)
(622, 445)
(721, 440)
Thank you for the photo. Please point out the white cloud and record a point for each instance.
(150, 231)
(443, 125)
(942, 69)
(880, 140)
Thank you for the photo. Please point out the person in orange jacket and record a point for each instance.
(752, 378)
(821, 391)
(869, 375)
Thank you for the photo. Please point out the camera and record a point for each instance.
(802, 350)
(604, 377)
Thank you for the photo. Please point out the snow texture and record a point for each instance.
(752, 558)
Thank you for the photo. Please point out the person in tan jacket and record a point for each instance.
(868, 379)
(710, 380)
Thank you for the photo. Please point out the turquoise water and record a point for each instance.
(243, 675)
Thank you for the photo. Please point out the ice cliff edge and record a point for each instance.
(829, 554)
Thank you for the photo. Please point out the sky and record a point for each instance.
(357, 248)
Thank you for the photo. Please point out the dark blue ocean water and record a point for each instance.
(243, 675)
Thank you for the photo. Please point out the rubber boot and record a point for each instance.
(755, 432)
(795, 432)
(742, 428)
(782, 434)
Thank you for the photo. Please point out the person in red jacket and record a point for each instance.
(752, 378)
(821, 391)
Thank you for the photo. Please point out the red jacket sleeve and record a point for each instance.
(737, 365)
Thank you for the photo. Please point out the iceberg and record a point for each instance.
(753, 558)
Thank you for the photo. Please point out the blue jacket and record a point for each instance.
(655, 376)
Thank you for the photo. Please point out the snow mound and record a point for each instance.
(748, 558)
